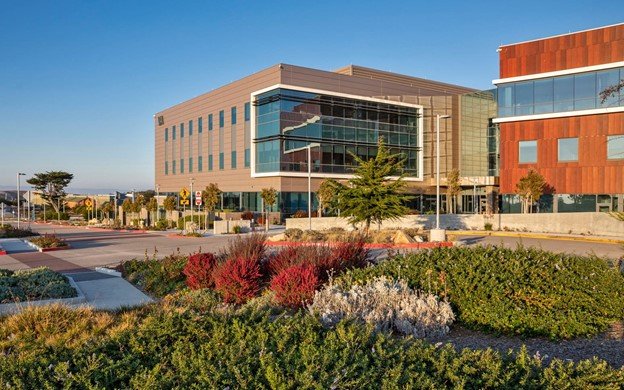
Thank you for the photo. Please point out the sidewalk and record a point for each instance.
(108, 292)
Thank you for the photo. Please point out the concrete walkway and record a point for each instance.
(108, 292)
(16, 245)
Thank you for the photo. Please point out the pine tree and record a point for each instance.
(327, 195)
(371, 196)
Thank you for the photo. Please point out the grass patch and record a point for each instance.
(190, 341)
(158, 277)
(33, 284)
(519, 291)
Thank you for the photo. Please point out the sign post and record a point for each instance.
(184, 197)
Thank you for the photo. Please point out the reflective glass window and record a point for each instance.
(543, 91)
(524, 98)
(199, 124)
(166, 135)
(605, 80)
(221, 118)
(190, 165)
(247, 111)
(233, 114)
(505, 100)
(615, 147)
(527, 152)
(564, 93)
(200, 163)
(209, 122)
(568, 149)
(190, 127)
(233, 157)
(584, 91)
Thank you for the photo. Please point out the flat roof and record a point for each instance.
(561, 35)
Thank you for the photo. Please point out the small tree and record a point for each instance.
(371, 196)
(152, 208)
(211, 196)
(327, 195)
(51, 185)
(107, 208)
(269, 197)
(170, 204)
(530, 188)
(137, 205)
(127, 206)
(453, 188)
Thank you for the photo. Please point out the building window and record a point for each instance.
(233, 111)
(166, 167)
(174, 167)
(181, 130)
(559, 94)
(233, 162)
(210, 162)
(247, 158)
(615, 147)
(568, 149)
(221, 118)
(190, 164)
(181, 165)
(527, 152)
(173, 135)
(199, 124)
(221, 160)
(247, 111)
(209, 122)
(200, 163)
(190, 127)
(166, 135)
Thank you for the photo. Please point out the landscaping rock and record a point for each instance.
(401, 238)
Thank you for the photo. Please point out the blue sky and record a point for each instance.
(81, 80)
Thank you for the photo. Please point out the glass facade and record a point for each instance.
(559, 94)
(479, 136)
(288, 119)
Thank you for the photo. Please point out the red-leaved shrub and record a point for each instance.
(238, 279)
(295, 286)
(198, 270)
(345, 255)
(298, 254)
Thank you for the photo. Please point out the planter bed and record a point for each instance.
(176, 235)
(414, 245)
(14, 307)
(58, 248)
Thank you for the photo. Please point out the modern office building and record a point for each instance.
(248, 135)
(552, 119)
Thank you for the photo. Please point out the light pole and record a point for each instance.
(438, 234)
(157, 202)
(18, 198)
(192, 199)
(309, 150)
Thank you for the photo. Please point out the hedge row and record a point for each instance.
(513, 291)
(183, 348)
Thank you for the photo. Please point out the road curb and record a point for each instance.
(545, 236)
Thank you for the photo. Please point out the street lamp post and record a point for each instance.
(438, 234)
(18, 198)
(157, 202)
(192, 200)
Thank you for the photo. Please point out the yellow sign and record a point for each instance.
(185, 202)
(184, 193)
(88, 202)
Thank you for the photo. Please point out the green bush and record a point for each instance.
(33, 284)
(237, 229)
(51, 215)
(48, 241)
(293, 234)
(156, 276)
(9, 231)
(487, 226)
(522, 291)
(193, 346)
(200, 220)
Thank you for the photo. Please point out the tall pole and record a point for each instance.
(474, 196)
(2, 206)
(192, 200)
(310, 187)
(58, 207)
(437, 171)
(157, 203)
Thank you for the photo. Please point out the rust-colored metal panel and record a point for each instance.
(575, 50)
(593, 173)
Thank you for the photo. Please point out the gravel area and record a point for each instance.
(608, 346)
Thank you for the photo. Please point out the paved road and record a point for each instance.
(92, 248)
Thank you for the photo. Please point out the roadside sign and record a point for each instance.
(185, 202)
(198, 201)
(198, 194)
(184, 193)
(88, 203)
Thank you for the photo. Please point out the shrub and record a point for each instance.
(247, 215)
(237, 229)
(387, 305)
(199, 219)
(34, 284)
(345, 255)
(48, 241)
(9, 231)
(250, 246)
(312, 236)
(238, 279)
(51, 215)
(514, 291)
(293, 234)
(294, 286)
(300, 214)
(296, 255)
(487, 226)
(156, 276)
(261, 220)
(161, 224)
(198, 270)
